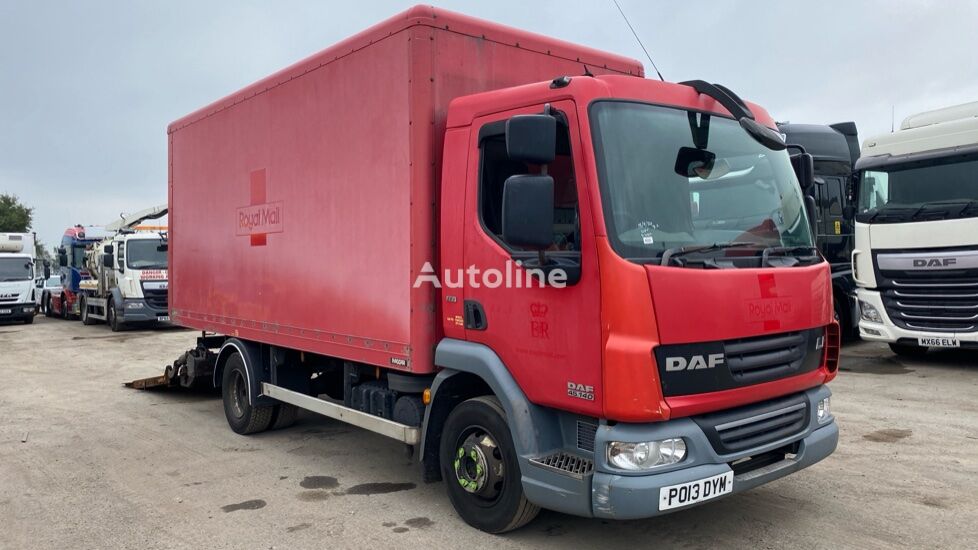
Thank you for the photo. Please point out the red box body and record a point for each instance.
(303, 207)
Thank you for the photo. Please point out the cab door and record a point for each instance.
(547, 336)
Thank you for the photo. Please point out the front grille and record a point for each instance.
(686, 369)
(755, 425)
(157, 298)
(566, 463)
(749, 358)
(585, 435)
(930, 290)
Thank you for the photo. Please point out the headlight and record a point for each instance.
(134, 305)
(824, 412)
(868, 312)
(647, 454)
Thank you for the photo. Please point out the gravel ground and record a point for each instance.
(87, 463)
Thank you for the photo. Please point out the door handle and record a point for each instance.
(475, 316)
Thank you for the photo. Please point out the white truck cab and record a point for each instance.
(129, 275)
(18, 301)
(916, 233)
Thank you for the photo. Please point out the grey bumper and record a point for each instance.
(142, 313)
(621, 496)
(17, 311)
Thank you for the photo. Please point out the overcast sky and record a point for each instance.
(87, 88)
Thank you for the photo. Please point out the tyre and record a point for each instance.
(86, 319)
(242, 417)
(64, 308)
(284, 416)
(481, 469)
(841, 317)
(908, 350)
(112, 317)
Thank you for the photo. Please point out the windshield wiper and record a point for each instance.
(671, 253)
(792, 252)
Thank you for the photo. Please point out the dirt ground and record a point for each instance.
(87, 463)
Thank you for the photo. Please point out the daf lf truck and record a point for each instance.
(527, 269)
(916, 251)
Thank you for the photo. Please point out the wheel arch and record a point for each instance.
(470, 370)
(251, 356)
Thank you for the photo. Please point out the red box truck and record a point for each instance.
(564, 285)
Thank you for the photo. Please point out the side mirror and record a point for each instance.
(108, 260)
(108, 249)
(62, 259)
(804, 166)
(528, 211)
(531, 138)
(47, 270)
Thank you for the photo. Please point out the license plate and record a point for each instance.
(164, 319)
(940, 342)
(6, 311)
(692, 492)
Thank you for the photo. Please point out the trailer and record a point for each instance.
(544, 273)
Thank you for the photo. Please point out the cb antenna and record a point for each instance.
(635, 34)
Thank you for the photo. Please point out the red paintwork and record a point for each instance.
(359, 171)
(348, 144)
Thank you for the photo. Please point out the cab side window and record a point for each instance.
(120, 255)
(496, 166)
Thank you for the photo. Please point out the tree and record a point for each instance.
(14, 216)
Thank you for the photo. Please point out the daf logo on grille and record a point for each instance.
(934, 262)
(695, 362)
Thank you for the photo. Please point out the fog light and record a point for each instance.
(824, 412)
(134, 305)
(28, 310)
(868, 312)
(646, 455)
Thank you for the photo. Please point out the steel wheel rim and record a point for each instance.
(478, 465)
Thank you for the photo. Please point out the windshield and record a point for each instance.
(145, 254)
(655, 201)
(78, 255)
(940, 189)
(16, 269)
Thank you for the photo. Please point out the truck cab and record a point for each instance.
(129, 283)
(835, 150)
(17, 292)
(72, 270)
(916, 252)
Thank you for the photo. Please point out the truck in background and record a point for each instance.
(658, 343)
(916, 254)
(835, 150)
(128, 274)
(75, 243)
(17, 290)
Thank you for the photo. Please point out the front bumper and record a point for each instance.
(889, 332)
(616, 494)
(17, 311)
(138, 310)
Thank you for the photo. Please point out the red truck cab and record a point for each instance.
(564, 285)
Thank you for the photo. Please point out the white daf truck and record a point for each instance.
(17, 299)
(128, 283)
(916, 234)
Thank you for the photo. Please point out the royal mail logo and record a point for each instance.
(260, 217)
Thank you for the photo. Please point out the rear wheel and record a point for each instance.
(86, 319)
(908, 350)
(481, 469)
(242, 416)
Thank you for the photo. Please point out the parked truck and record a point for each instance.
(128, 283)
(916, 254)
(524, 265)
(835, 150)
(17, 289)
(76, 242)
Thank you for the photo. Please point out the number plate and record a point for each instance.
(685, 494)
(6, 311)
(940, 342)
(164, 319)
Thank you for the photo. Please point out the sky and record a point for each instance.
(88, 88)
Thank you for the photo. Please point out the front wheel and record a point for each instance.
(908, 350)
(86, 319)
(243, 418)
(111, 317)
(481, 470)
